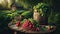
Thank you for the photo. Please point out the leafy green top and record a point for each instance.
(42, 8)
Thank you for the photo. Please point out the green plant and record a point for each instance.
(43, 8)
(27, 14)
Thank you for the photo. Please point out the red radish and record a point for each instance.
(31, 26)
(33, 29)
(18, 23)
(48, 28)
(37, 29)
(28, 25)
